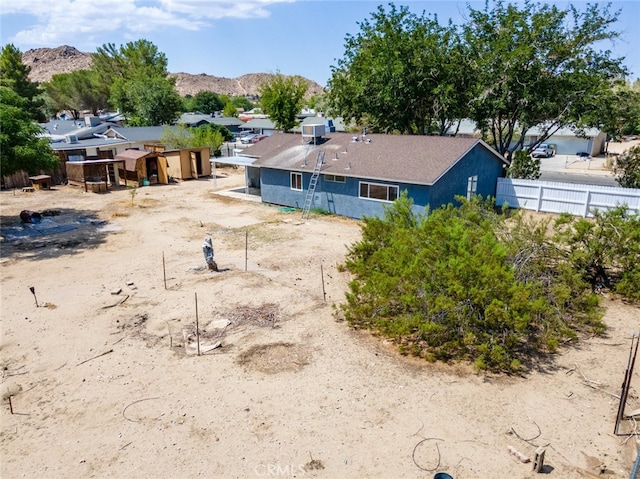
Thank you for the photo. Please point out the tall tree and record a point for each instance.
(207, 102)
(15, 75)
(152, 101)
(616, 110)
(139, 83)
(402, 72)
(76, 91)
(205, 136)
(537, 65)
(241, 102)
(229, 110)
(21, 145)
(281, 99)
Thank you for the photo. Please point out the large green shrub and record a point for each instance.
(467, 283)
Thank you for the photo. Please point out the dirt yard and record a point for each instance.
(104, 379)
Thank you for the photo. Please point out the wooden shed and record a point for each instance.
(143, 166)
(188, 163)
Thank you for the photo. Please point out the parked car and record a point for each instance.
(258, 138)
(543, 150)
(248, 138)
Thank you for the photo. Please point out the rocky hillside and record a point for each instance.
(46, 62)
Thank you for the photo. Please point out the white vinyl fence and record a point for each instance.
(553, 197)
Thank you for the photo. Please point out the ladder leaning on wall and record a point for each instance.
(312, 185)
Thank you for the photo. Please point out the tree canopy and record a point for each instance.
(76, 91)
(401, 73)
(509, 67)
(205, 136)
(138, 82)
(15, 75)
(627, 168)
(616, 111)
(281, 99)
(21, 146)
(537, 65)
(206, 102)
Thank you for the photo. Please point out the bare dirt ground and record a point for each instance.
(109, 385)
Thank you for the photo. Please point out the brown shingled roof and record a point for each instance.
(406, 158)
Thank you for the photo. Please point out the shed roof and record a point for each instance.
(405, 158)
(130, 157)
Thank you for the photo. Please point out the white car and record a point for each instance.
(542, 151)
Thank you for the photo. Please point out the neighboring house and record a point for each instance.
(194, 120)
(567, 142)
(76, 140)
(465, 129)
(330, 124)
(362, 174)
(261, 126)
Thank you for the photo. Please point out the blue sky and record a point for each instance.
(230, 38)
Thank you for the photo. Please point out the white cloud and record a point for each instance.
(64, 21)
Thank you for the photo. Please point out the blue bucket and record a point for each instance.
(442, 475)
(145, 182)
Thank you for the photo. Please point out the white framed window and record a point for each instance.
(335, 178)
(472, 186)
(296, 181)
(377, 191)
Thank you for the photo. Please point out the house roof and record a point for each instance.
(262, 123)
(564, 132)
(194, 119)
(468, 127)
(62, 127)
(90, 143)
(141, 133)
(405, 158)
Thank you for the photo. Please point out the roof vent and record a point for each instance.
(354, 139)
(348, 167)
(71, 139)
(336, 158)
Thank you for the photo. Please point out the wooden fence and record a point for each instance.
(553, 197)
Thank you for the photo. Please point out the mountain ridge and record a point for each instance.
(46, 62)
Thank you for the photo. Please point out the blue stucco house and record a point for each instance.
(361, 174)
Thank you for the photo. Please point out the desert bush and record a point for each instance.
(467, 283)
(605, 249)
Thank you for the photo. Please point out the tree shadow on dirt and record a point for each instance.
(57, 233)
